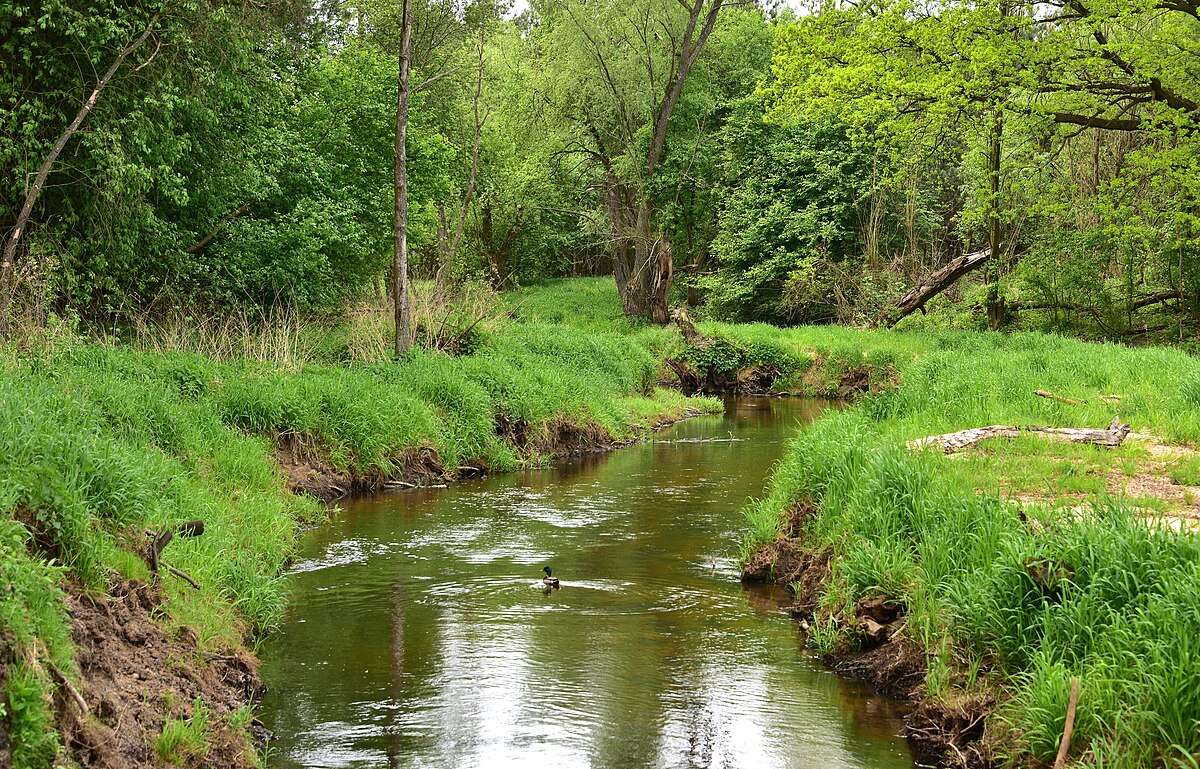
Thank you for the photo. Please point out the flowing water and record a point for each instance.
(418, 635)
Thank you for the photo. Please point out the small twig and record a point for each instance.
(1059, 398)
(71, 690)
(182, 576)
(1064, 747)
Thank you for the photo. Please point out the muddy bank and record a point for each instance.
(136, 681)
(308, 471)
(881, 652)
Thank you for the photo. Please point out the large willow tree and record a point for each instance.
(614, 71)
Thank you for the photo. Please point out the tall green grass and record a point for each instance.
(1119, 602)
(100, 441)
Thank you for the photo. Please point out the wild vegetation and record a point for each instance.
(1019, 564)
(103, 441)
(257, 247)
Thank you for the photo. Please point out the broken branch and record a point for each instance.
(1064, 747)
(937, 283)
(62, 681)
(1059, 398)
(183, 576)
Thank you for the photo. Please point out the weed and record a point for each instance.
(182, 739)
(823, 635)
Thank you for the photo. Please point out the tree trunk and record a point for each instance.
(995, 302)
(444, 253)
(400, 292)
(8, 259)
(937, 283)
(642, 264)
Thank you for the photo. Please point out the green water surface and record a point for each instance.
(418, 635)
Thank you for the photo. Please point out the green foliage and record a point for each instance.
(99, 442)
(29, 720)
(181, 739)
(790, 220)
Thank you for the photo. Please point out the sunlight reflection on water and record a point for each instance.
(419, 635)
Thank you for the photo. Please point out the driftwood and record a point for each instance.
(1112, 436)
(1064, 747)
(937, 283)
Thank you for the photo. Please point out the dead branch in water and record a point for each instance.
(950, 443)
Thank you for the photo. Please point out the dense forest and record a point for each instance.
(793, 165)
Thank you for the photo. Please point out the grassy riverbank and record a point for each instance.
(1018, 564)
(100, 442)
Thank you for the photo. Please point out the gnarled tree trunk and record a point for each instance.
(642, 264)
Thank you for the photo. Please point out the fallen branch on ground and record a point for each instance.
(183, 576)
(1064, 747)
(62, 681)
(1111, 437)
(1059, 398)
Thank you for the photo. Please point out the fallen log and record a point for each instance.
(1111, 437)
(936, 283)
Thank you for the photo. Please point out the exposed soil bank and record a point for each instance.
(939, 734)
(135, 678)
(308, 472)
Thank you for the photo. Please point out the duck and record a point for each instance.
(548, 580)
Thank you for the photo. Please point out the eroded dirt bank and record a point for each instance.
(135, 679)
(884, 656)
(308, 472)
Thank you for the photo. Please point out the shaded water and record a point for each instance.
(418, 635)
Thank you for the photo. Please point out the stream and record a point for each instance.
(418, 634)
